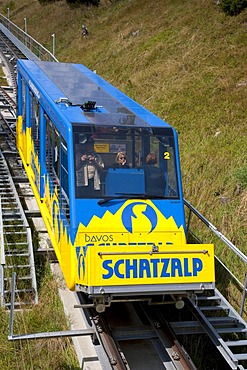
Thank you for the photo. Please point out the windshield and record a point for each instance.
(124, 162)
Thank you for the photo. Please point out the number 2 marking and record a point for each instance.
(166, 155)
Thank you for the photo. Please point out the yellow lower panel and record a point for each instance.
(109, 266)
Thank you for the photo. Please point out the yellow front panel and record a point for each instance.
(109, 265)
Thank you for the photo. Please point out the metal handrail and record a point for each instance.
(39, 50)
(241, 255)
(216, 231)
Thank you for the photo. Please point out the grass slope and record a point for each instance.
(183, 60)
(47, 316)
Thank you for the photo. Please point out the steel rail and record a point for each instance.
(2, 256)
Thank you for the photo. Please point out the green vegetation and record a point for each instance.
(241, 176)
(233, 7)
(183, 63)
(2, 78)
(47, 316)
(74, 2)
(186, 62)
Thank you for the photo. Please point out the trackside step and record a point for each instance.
(16, 248)
(224, 326)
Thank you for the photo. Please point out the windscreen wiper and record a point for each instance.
(120, 196)
(130, 195)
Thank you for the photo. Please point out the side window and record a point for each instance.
(168, 162)
(169, 157)
(56, 152)
(162, 148)
(23, 113)
(57, 166)
(49, 153)
(64, 180)
(35, 122)
(52, 153)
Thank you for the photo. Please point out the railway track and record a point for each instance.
(136, 336)
(127, 335)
